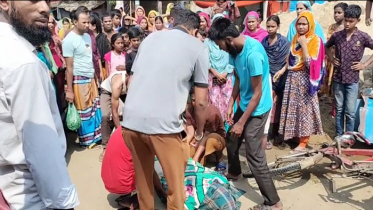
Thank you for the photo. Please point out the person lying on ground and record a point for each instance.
(214, 139)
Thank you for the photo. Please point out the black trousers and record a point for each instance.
(253, 133)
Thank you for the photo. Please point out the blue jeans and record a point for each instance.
(345, 104)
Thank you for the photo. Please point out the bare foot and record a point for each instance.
(277, 206)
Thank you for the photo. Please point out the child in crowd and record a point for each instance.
(339, 10)
(115, 60)
(134, 35)
(349, 44)
(277, 49)
(116, 17)
(126, 39)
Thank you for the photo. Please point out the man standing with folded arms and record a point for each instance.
(156, 98)
(33, 172)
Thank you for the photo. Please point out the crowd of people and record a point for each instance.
(179, 86)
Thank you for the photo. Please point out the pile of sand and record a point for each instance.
(324, 15)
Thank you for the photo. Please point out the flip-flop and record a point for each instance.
(262, 207)
(269, 145)
(297, 151)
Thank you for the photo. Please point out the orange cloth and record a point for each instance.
(304, 141)
(274, 7)
(313, 42)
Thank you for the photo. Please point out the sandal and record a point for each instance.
(263, 207)
(279, 144)
(269, 145)
(298, 150)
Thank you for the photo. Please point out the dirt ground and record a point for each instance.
(308, 190)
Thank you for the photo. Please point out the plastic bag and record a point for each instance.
(73, 120)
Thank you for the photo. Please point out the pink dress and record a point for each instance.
(115, 60)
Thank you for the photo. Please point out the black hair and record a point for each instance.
(158, 18)
(134, 32)
(353, 11)
(80, 10)
(341, 5)
(123, 30)
(115, 12)
(188, 19)
(95, 13)
(95, 20)
(106, 14)
(175, 10)
(198, 12)
(114, 38)
(65, 20)
(274, 18)
(221, 28)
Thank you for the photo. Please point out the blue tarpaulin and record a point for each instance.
(366, 119)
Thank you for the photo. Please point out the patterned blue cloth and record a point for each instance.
(221, 196)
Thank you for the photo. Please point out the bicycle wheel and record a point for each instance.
(291, 163)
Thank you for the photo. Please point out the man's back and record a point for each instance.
(163, 71)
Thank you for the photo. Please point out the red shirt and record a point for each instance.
(117, 170)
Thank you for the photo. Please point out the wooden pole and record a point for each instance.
(265, 9)
(160, 7)
(130, 8)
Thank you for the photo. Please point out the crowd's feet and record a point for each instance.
(231, 177)
(277, 206)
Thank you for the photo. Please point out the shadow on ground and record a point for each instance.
(71, 145)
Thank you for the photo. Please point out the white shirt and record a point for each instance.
(33, 171)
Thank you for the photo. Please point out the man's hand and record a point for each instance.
(121, 68)
(368, 21)
(336, 62)
(101, 76)
(358, 66)
(229, 116)
(69, 96)
(237, 130)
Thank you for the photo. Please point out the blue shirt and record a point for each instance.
(79, 47)
(251, 62)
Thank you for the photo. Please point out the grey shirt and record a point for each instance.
(166, 64)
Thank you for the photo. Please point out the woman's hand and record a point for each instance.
(223, 78)
(302, 40)
(278, 75)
